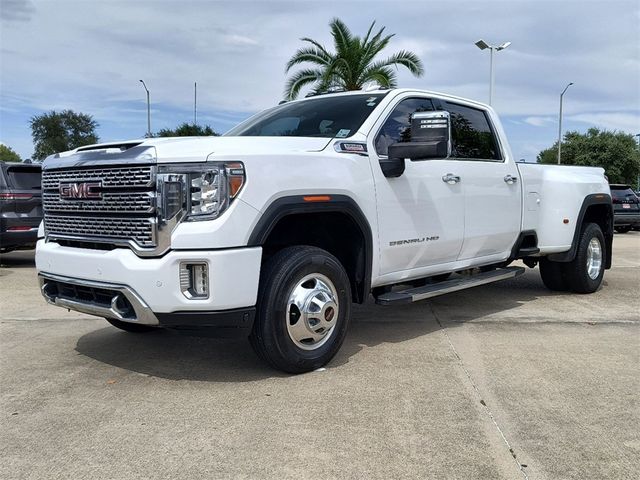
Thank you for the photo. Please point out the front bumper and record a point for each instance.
(121, 303)
(118, 284)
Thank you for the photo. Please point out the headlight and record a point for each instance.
(207, 192)
(199, 192)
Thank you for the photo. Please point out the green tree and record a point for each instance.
(188, 130)
(616, 152)
(7, 154)
(54, 132)
(351, 66)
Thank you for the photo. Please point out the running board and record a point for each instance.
(433, 290)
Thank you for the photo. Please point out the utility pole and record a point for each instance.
(560, 123)
(148, 110)
(195, 103)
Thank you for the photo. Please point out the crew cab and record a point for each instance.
(274, 229)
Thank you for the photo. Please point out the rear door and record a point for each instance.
(492, 190)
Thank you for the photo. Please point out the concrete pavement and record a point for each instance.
(503, 381)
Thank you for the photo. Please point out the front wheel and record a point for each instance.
(304, 305)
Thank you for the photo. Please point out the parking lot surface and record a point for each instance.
(503, 381)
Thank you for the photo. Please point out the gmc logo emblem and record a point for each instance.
(86, 190)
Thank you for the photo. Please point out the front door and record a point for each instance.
(420, 215)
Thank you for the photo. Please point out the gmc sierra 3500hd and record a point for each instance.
(273, 229)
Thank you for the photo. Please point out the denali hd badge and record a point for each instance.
(85, 190)
(413, 240)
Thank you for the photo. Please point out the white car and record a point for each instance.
(273, 230)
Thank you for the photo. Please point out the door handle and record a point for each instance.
(450, 178)
(510, 179)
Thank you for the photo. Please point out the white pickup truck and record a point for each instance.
(273, 230)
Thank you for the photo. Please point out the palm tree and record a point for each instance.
(351, 66)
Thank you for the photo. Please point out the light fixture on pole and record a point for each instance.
(560, 123)
(148, 110)
(482, 45)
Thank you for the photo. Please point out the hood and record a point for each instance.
(197, 149)
(184, 149)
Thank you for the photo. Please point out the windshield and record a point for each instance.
(339, 116)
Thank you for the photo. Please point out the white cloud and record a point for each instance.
(16, 10)
(240, 40)
(540, 121)
(624, 121)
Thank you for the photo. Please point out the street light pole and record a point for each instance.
(148, 110)
(638, 179)
(491, 76)
(560, 123)
(482, 45)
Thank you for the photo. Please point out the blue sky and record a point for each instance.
(89, 56)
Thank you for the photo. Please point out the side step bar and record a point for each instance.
(433, 290)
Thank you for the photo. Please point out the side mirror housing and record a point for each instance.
(430, 138)
(392, 167)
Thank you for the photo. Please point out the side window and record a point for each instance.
(471, 135)
(397, 128)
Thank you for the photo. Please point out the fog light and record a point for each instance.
(194, 280)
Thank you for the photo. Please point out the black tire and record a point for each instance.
(130, 327)
(623, 229)
(576, 271)
(280, 275)
(553, 275)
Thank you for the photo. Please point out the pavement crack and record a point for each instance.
(479, 395)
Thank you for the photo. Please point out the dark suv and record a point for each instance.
(20, 205)
(626, 208)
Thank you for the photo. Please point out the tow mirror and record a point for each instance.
(430, 138)
(392, 167)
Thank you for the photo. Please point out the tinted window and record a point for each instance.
(622, 193)
(397, 128)
(24, 178)
(471, 135)
(339, 116)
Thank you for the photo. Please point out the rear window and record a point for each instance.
(24, 178)
(622, 192)
(471, 135)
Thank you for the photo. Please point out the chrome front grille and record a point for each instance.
(131, 202)
(123, 214)
(127, 177)
(140, 230)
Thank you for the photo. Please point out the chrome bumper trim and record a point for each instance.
(142, 312)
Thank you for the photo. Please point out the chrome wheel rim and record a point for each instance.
(312, 311)
(594, 258)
